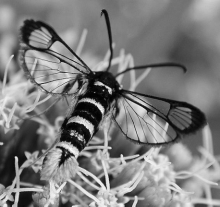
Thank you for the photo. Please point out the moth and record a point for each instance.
(98, 97)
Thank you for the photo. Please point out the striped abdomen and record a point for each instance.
(84, 121)
(77, 130)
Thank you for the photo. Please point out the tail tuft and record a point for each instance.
(54, 170)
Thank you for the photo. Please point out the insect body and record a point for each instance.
(98, 96)
(90, 110)
(82, 124)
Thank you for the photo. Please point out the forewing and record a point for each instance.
(48, 61)
(151, 120)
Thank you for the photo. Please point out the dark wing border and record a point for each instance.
(30, 25)
(38, 36)
(181, 117)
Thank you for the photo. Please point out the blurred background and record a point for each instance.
(153, 31)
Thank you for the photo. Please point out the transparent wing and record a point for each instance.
(48, 61)
(156, 121)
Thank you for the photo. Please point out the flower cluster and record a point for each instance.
(151, 179)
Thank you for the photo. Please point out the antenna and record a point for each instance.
(157, 65)
(109, 36)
